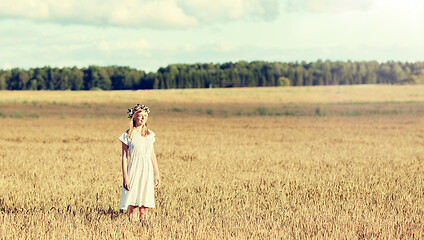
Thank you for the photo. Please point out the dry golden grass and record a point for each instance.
(264, 95)
(277, 101)
(234, 177)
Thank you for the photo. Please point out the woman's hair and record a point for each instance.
(144, 130)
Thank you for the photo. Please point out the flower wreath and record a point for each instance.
(133, 110)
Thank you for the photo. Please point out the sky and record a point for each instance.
(149, 34)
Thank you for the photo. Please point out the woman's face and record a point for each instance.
(140, 118)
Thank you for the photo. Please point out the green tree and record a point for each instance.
(283, 81)
(3, 81)
(77, 79)
(326, 73)
(104, 80)
(292, 77)
(385, 74)
(64, 81)
(21, 79)
(397, 73)
(309, 78)
(299, 76)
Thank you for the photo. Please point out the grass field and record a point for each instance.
(260, 163)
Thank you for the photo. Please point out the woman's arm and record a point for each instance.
(126, 180)
(155, 168)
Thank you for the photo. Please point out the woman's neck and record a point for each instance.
(138, 128)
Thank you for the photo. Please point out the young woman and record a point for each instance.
(139, 165)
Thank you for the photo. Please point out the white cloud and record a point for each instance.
(130, 13)
(209, 11)
(149, 54)
(329, 6)
(139, 47)
(155, 14)
(338, 5)
(142, 48)
(221, 46)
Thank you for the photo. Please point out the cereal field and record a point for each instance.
(330, 162)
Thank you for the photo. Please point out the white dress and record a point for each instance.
(140, 171)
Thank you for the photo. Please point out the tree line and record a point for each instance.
(205, 75)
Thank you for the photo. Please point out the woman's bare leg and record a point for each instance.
(133, 213)
(143, 212)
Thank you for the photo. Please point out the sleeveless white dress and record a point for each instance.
(140, 171)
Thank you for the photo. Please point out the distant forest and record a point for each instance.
(205, 75)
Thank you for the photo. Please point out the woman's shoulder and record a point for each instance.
(151, 132)
(124, 137)
(126, 133)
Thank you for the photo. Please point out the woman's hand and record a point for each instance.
(157, 181)
(125, 180)
(126, 184)
(155, 168)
